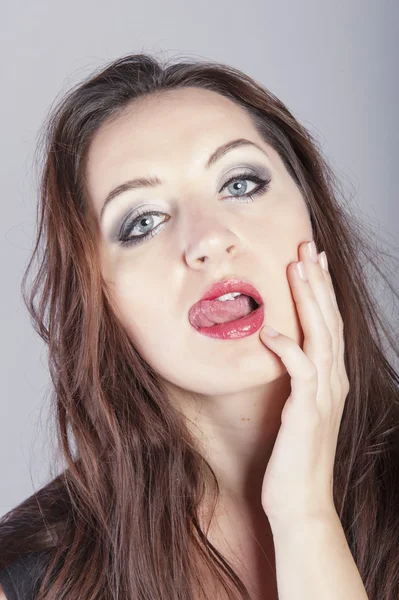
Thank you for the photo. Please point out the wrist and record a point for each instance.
(304, 524)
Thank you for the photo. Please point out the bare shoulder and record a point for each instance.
(2, 594)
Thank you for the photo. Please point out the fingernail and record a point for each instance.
(323, 260)
(267, 330)
(301, 271)
(312, 251)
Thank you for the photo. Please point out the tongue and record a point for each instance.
(212, 312)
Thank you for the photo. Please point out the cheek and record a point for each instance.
(285, 315)
(283, 234)
(280, 225)
(145, 310)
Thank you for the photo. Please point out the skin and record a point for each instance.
(231, 391)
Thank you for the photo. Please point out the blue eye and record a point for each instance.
(130, 224)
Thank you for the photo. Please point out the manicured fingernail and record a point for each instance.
(301, 271)
(267, 330)
(323, 260)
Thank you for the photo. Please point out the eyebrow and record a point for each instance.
(151, 182)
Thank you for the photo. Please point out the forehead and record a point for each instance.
(171, 129)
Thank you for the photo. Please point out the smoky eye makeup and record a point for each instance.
(118, 223)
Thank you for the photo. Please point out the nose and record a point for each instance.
(211, 242)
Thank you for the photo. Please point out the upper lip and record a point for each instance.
(232, 285)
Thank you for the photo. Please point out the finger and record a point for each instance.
(317, 337)
(337, 316)
(322, 293)
(341, 369)
(303, 373)
(338, 373)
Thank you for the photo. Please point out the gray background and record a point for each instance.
(333, 62)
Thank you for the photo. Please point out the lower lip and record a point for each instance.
(236, 329)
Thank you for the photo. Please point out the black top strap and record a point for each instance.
(22, 578)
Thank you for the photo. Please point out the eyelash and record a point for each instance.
(137, 239)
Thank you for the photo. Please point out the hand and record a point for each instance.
(298, 483)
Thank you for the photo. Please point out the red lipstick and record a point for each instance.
(239, 328)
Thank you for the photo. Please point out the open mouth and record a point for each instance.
(233, 307)
(254, 305)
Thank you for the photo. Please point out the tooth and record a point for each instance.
(226, 297)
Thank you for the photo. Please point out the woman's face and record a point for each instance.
(154, 283)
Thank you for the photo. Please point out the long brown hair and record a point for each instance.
(121, 520)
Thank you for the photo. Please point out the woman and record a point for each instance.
(204, 457)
